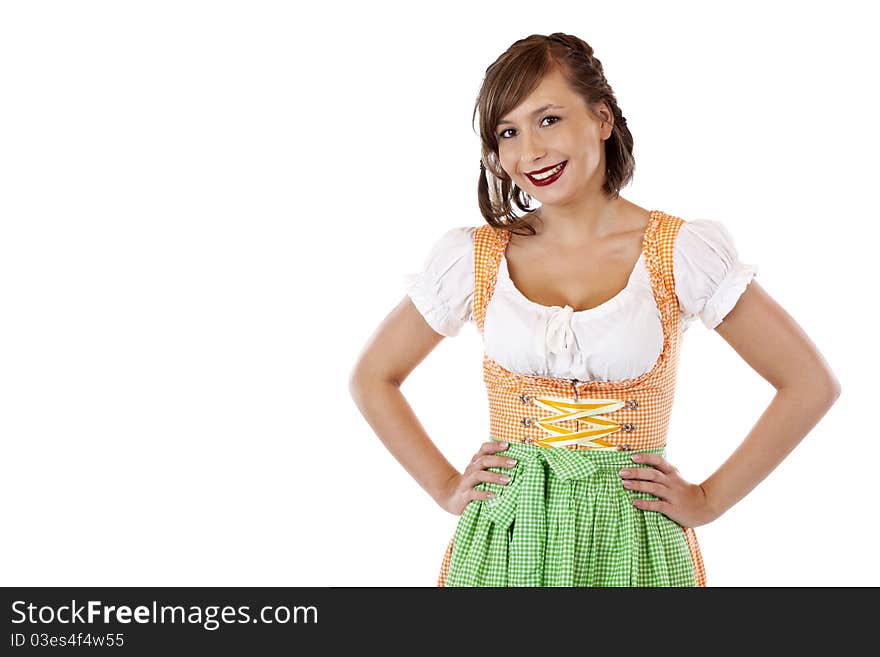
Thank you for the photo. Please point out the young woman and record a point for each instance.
(581, 304)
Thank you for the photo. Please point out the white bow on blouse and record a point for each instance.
(556, 335)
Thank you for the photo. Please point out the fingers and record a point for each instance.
(653, 505)
(648, 474)
(493, 477)
(484, 462)
(491, 447)
(654, 459)
(484, 458)
(475, 475)
(481, 494)
(477, 472)
(658, 490)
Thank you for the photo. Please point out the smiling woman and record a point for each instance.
(582, 305)
(562, 68)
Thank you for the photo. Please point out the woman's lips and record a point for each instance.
(551, 179)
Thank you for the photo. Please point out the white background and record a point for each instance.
(208, 207)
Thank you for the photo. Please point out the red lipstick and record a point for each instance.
(551, 179)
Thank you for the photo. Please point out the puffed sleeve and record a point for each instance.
(443, 291)
(709, 276)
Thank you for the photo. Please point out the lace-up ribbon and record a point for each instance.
(587, 411)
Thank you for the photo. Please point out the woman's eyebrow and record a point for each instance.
(543, 108)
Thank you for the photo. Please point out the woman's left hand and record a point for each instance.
(680, 500)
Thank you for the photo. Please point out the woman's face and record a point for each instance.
(530, 140)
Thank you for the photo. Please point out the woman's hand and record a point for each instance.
(681, 501)
(460, 490)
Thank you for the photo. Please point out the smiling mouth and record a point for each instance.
(547, 176)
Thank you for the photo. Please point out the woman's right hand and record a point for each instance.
(461, 491)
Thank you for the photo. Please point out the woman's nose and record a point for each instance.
(532, 150)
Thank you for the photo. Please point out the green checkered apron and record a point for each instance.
(565, 519)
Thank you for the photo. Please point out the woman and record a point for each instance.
(581, 348)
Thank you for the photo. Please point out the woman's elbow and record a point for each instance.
(357, 380)
(363, 378)
(834, 388)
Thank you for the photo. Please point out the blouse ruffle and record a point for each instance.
(709, 276)
(443, 291)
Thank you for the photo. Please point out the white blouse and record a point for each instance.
(619, 339)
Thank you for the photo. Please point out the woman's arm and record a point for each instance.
(769, 340)
(401, 342)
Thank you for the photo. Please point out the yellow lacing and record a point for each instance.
(578, 410)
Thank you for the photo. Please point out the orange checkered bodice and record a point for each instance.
(572, 414)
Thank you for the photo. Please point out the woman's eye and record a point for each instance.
(502, 133)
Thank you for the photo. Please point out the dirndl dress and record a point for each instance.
(565, 519)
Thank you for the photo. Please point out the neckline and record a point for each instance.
(595, 310)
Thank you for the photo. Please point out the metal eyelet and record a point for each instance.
(527, 421)
(629, 427)
(528, 440)
(525, 399)
(625, 448)
(632, 403)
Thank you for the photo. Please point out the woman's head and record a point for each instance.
(586, 130)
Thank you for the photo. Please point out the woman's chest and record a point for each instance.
(581, 277)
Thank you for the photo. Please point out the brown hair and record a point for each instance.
(512, 77)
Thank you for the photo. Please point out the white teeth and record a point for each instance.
(547, 174)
